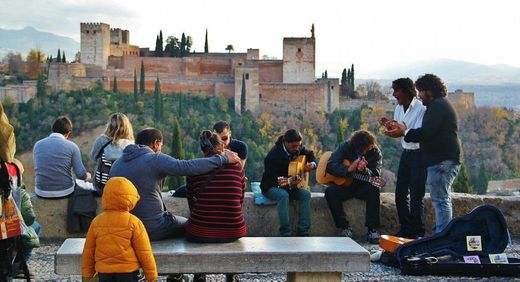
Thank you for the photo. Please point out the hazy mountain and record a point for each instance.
(24, 40)
(453, 71)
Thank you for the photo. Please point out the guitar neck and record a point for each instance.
(362, 177)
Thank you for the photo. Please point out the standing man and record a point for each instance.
(146, 167)
(365, 158)
(411, 175)
(222, 129)
(440, 144)
(55, 157)
(276, 166)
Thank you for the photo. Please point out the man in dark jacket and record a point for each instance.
(440, 144)
(276, 186)
(365, 158)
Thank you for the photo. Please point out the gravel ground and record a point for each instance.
(42, 267)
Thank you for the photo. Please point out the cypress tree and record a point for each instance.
(135, 86)
(462, 184)
(183, 45)
(157, 51)
(177, 151)
(142, 82)
(206, 48)
(482, 180)
(58, 59)
(40, 88)
(243, 95)
(157, 100)
(114, 85)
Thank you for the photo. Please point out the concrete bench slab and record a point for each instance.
(301, 257)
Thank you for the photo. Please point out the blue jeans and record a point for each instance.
(438, 180)
(282, 197)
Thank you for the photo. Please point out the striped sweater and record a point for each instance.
(217, 212)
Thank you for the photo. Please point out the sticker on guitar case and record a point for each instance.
(474, 243)
(498, 258)
(472, 259)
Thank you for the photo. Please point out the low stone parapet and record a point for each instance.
(263, 220)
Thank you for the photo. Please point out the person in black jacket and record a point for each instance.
(365, 158)
(440, 145)
(275, 184)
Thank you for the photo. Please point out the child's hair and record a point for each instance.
(119, 127)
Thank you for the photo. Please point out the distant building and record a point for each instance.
(18, 93)
(287, 85)
(510, 187)
(462, 100)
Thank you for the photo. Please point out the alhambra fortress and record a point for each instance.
(271, 85)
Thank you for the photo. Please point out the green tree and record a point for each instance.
(243, 95)
(172, 46)
(58, 59)
(177, 151)
(114, 85)
(135, 86)
(206, 48)
(41, 90)
(63, 59)
(183, 45)
(462, 184)
(230, 48)
(142, 81)
(157, 100)
(482, 180)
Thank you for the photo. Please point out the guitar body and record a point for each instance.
(323, 177)
(297, 167)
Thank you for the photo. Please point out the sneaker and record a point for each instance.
(346, 232)
(232, 278)
(373, 237)
(177, 278)
(197, 277)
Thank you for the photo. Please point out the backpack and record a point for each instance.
(103, 168)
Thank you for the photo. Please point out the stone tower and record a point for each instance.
(251, 77)
(95, 44)
(299, 59)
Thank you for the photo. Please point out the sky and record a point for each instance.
(371, 34)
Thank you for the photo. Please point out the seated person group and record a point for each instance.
(130, 175)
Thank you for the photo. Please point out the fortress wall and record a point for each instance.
(271, 71)
(299, 60)
(226, 89)
(293, 97)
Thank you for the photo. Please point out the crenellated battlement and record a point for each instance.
(94, 26)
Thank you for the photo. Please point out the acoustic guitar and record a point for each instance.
(296, 169)
(323, 177)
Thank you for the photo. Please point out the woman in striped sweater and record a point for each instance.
(215, 198)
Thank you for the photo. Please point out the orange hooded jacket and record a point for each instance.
(117, 241)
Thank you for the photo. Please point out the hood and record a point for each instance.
(8, 144)
(119, 194)
(133, 151)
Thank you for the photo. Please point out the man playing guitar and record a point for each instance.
(277, 186)
(365, 157)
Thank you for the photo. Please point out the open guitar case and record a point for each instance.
(442, 254)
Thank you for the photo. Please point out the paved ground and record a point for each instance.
(42, 267)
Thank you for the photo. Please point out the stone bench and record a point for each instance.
(263, 220)
(303, 258)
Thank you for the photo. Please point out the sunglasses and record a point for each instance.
(225, 138)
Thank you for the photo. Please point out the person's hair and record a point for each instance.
(209, 142)
(433, 83)
(361, 139)
(119, 127)
(406, 85)
(291, 135)
(62, 125)
(220, 126)
(147, 136)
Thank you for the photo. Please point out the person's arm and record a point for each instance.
(433, 120)
(168, 165)
(335, 165)
(27, 208)
(88, 263)
(143, 251)
(375, 162)
(77, 163)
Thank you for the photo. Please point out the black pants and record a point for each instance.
(411, 178)
(336, 195)
(118, 277)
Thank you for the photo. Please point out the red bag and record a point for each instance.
(10, 220)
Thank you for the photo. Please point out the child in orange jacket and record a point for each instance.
(117, 244)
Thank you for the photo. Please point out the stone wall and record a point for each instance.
(19, 93)
(263, 220)
(95, 43)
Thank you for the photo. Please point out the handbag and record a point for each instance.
(10, 220)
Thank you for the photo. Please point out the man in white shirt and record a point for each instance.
(411, 175)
